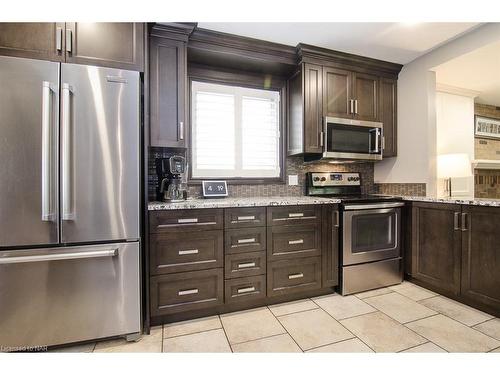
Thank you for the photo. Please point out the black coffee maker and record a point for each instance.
(171, 173)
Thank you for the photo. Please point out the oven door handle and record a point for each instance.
(351, 207)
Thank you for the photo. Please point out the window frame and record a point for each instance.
(246, 80)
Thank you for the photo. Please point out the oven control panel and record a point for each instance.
(335, 179)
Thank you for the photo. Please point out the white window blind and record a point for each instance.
(235, 132)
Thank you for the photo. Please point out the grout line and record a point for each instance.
(416, 320)
(414, 346)
(294, 312)
(162, 336)
(192, 333)
(355, 316)
(260, 338)
(225, 334)
(289, 334)
(337, 342)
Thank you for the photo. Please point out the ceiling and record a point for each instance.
(478, 70)
(395, 42)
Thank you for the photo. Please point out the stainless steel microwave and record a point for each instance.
(349, 139)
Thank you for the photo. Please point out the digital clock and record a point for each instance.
(214, 189)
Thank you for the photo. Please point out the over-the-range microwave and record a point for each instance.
(348, 139)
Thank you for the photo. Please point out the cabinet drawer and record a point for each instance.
(291, 276)
(291, 215)
(245, 217)
(245, 288)
(186, 291)
(293, 241)
(176, 252)
(245, 264)
(185, 220)
(245, 240)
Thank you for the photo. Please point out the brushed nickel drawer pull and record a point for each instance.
(246, 240)
(295, 276)
(295, 242)
(241, 218)
(187, 291)
(185, 221)
(187, 252)
(246, 265)
(298, 214)
(246, 290)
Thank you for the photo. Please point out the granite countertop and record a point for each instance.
(467, 201)
(239, 202)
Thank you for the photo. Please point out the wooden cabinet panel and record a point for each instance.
(244, 217)
(245, 264)
(245, 240)
(481, 255)
(168, 81)
(176, 252)
(40, 40)
(291, 276)
(186, 291)
(111, 44)
(245, 288)
(388, 115)
(337, 93)
(330, 246)
(185, 220)
(365, 91)
(293, 215)
(313, 111)
(436, 246)
(293, 241)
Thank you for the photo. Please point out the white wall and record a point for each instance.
(455, 135)
(416, 160)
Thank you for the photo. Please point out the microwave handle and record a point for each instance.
(376, 150)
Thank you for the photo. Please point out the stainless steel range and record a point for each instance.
(370, 240)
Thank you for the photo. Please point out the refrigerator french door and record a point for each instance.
(69, 203)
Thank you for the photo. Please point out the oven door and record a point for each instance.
(353, 139)
(371, 234)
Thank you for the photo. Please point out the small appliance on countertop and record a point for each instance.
(172, 184)
(370, 235)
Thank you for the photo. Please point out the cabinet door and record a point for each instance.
(337, 93)
(481, 255)
(388, 115)
(365, 92)
(111, 44)
(313, 109)
(330, 246)
(41, 40)
(436, 246)
(168, 92)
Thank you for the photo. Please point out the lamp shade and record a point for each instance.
(454, 165)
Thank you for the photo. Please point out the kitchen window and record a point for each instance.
(235, 132)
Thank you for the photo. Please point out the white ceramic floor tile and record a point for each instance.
(382, 333)
(250, 325)
(274, 344)
(191, 326)
(455, 310)
(213, 341)
(373, 293)
(80, 348)
(490, 328)
(292, 307)
(425, 348)
(151, 343)
(348, 346)
(341, 307)
(412, 291)
(452, 335)
(399, 307)
(314, 328)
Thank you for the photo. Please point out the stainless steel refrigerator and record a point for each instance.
(69, 203)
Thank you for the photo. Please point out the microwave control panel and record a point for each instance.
(335, 179)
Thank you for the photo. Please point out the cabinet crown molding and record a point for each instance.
(173, 30)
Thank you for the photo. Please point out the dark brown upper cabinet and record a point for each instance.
(388, 115)
(337, 85)
(481, 256)
(436, 246)
(365, 96)
(115, 45)
(111, 44)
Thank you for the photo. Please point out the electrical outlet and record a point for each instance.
(293, 179)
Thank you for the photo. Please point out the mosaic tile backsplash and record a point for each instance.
(487, 183)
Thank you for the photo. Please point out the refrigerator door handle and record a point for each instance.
(67, 192)
(47, 153)
(63, 256)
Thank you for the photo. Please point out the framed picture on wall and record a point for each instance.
(487, 127)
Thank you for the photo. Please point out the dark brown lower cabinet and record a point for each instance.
(292, 276)
(330, 248)
(481, 255)
(436, 246)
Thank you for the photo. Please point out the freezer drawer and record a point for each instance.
(63, 295)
